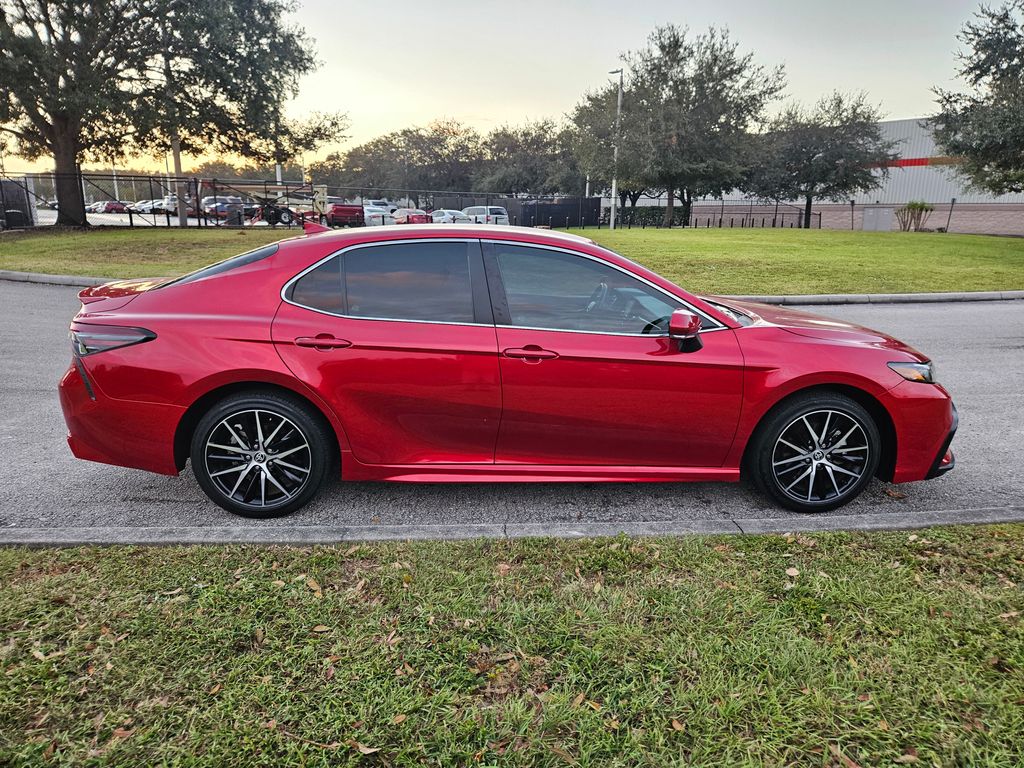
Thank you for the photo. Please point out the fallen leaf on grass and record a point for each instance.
(321, 628)
(277, 583)
(172, 592)
(840, 756)
(1009, 614)
(398, 719)
(362, 748)
(564, 755)
(503, 569)
(907, 758)
(677, 726)
(578, 700)
(216, 689)
(792, 572)
(314, 586)
(122, 733)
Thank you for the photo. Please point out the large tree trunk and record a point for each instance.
(67, 181)
(669, 208)
(687, 199)
(807, 212)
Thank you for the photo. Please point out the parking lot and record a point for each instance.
(47, 495)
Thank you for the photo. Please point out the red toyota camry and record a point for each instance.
(443, 353)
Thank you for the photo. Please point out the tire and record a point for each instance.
(815, 452)
(228, 436)
(286, 217)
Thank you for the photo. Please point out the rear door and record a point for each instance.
(398, 338)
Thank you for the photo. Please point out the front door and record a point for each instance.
(398, 339)
(589, 375)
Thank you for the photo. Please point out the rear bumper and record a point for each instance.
(125, 433)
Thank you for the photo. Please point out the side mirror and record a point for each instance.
(684, 327)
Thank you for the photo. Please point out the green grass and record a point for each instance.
(881, 648)
(121, 252)
(742, 261)
(754, 261)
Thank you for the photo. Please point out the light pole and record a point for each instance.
(615, 152)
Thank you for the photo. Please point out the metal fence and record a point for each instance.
(111, 199)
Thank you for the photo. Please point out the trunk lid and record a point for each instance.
(116, 294)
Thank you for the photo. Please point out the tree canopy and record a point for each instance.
(91, 80)
(831, 151)
(984, 126)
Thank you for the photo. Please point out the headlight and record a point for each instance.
(923, 372)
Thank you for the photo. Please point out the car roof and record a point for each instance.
(344, 237)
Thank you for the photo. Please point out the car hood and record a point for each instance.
(818, 327)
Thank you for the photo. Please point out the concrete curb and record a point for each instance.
(884, 298)
(309, 535)
(805, 299)
(35, 277)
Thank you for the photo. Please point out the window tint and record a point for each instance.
(559, 291)
(498, 212)
(223, 266)
(321, 288)
(409, 281)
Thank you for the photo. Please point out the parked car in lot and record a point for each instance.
(377, 217)
(445, 216)
(411, 216)
(487, 214)
(387, 206)
(430, 353)
(107, 206)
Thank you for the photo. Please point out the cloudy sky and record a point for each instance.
(483, 62)
(486, 62)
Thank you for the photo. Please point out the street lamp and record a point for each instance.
(615, 151)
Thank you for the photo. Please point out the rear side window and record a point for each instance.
(220, 267)
(321, 288)
(498, 212)
(396, 281)
(409, 281)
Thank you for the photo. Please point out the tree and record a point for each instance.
(984, 127)
(830, 151)
(112, 77)
(594, 141)
(532, 158)
(692, 103)
(443, 155)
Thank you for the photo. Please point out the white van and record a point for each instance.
(487, 214)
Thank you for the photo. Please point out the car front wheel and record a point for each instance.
(262, 454)
(815, 453)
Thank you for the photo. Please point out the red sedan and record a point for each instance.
(412, 216)
(440, 353)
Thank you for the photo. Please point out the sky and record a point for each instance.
(399, 63)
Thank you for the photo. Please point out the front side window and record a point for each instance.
(559, 291)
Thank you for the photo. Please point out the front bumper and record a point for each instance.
(945, 460)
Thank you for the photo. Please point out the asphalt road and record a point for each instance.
(47, 495)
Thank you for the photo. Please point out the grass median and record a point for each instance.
(832, 649)
(742, 261)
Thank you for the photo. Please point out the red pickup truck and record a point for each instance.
(344, 215)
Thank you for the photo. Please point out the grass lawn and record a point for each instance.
(742, 261)
(827, 650)
(754, 261)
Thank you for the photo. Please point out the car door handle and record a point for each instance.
(530, 352)
(322, 342)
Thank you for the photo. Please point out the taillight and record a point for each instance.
(89, 339)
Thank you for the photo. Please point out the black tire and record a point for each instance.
(286, 217)
(800, 458)
(289, 475)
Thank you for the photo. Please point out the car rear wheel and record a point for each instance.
(261, 454)
(815, 453)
